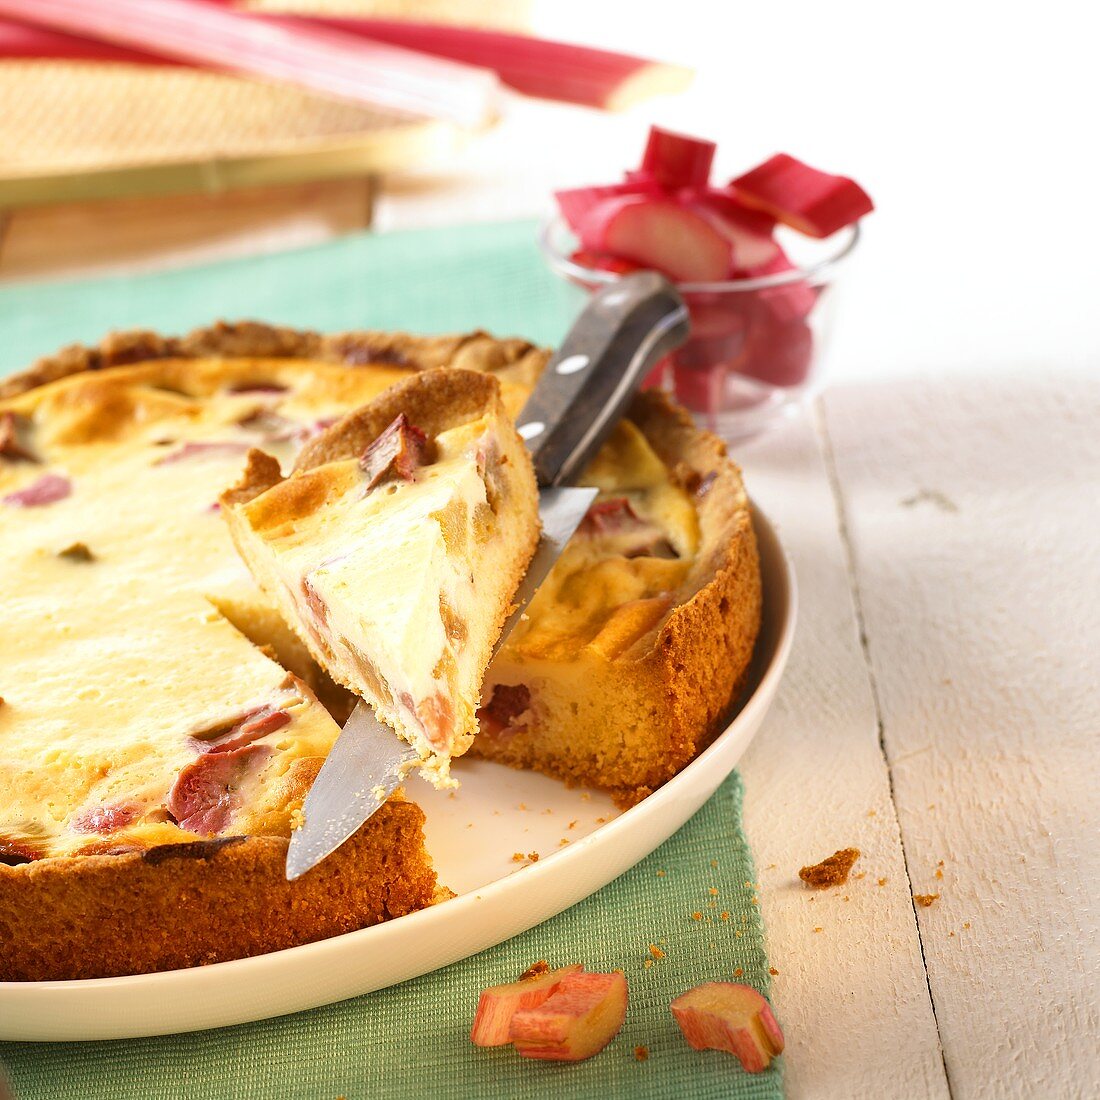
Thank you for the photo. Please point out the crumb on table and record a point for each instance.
(641, 1053)
(830, 872)
(925, 900)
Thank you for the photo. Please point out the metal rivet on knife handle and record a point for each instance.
(620, 337)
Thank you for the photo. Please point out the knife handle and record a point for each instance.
(624, 331)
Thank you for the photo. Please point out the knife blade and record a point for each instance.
(582, 393)
(369, 761)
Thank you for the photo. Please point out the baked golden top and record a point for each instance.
(135, 712)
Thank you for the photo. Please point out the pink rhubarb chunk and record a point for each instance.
(660, 234)
(810, 201)
(616, 517)
(242, 731)
(106, 819)
(730, 1017)
(506, 712)
(778, 352)
(207, 791)
(582, 1016)
(749, 232)
(202, 448)
(576, 203)
(791, 301)
(499, 1003)
(677, 160)
(48, 489)
(397, 453)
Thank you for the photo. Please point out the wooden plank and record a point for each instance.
(852, 997)
(972, 509)
(74, 240)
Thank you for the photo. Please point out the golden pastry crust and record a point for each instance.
(183, 905)
(669, 678)
(254, 340)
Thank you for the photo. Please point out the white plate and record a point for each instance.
(472, 838)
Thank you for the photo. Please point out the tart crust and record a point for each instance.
(661, 694)
(181, 905)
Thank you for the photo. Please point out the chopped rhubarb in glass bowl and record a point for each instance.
(757, 343)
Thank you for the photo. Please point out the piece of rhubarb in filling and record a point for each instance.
(394, 549)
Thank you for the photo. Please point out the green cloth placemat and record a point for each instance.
(412, 1040)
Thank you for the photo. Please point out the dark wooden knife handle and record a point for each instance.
(625, 330)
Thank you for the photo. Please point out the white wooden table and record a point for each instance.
(941, 502)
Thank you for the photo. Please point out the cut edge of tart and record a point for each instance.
(394, 549)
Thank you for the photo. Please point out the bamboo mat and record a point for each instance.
(83, 130)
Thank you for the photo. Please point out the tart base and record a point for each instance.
(184, 905)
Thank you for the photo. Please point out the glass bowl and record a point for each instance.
(757, 345)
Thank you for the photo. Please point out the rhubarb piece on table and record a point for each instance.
(577, 1021)
(677, 160)
(499, 1003)
(394, 549)
(802, 197)
(658, 234)
(730, 1017)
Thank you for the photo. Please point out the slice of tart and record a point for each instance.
(394, 549)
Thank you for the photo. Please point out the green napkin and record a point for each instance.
(412, 1040)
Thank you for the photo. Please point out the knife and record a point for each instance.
(623, 332)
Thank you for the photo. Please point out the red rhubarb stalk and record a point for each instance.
(319, 58)
(810, 201)
(534, 66)
(576, 203)
(676, 160)
(24, 41)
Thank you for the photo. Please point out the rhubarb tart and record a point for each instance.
(162, 717)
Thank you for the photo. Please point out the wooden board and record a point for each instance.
(972, 513)
(116, 236)
(851, 989)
